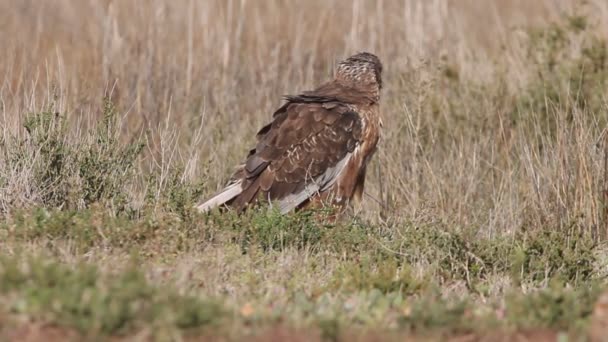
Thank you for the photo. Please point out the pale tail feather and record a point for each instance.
(322, 183)
(224, 196)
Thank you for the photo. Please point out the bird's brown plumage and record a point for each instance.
(317, 146)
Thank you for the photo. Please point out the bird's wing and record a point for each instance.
(301, 152)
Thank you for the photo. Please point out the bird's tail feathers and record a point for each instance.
(228, 193)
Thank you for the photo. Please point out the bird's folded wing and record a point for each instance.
(302, 152)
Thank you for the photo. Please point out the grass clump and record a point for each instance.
(105, 165)
(567, 256)
(267, 229)
(83, 299)
(556, 307)
(63, 171)
(386, 276)
(84, 229)
(434, 313)
(532, 257)
(571, 62)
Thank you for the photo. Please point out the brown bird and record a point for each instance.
(316, 149)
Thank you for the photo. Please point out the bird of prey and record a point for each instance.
(316, 148)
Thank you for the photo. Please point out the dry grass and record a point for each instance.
(483, 133)
(196, 75)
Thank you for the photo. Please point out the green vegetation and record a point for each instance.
(96, 305)
(393, 276)
(96, 168)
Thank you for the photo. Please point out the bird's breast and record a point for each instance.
(371, 125)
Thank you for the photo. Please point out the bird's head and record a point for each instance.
(361, 72)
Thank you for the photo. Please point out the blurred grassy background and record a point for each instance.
(199, 78)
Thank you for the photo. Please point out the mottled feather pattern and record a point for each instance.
(317, 144)
(314, 139)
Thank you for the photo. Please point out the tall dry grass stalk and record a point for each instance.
(199, 77)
